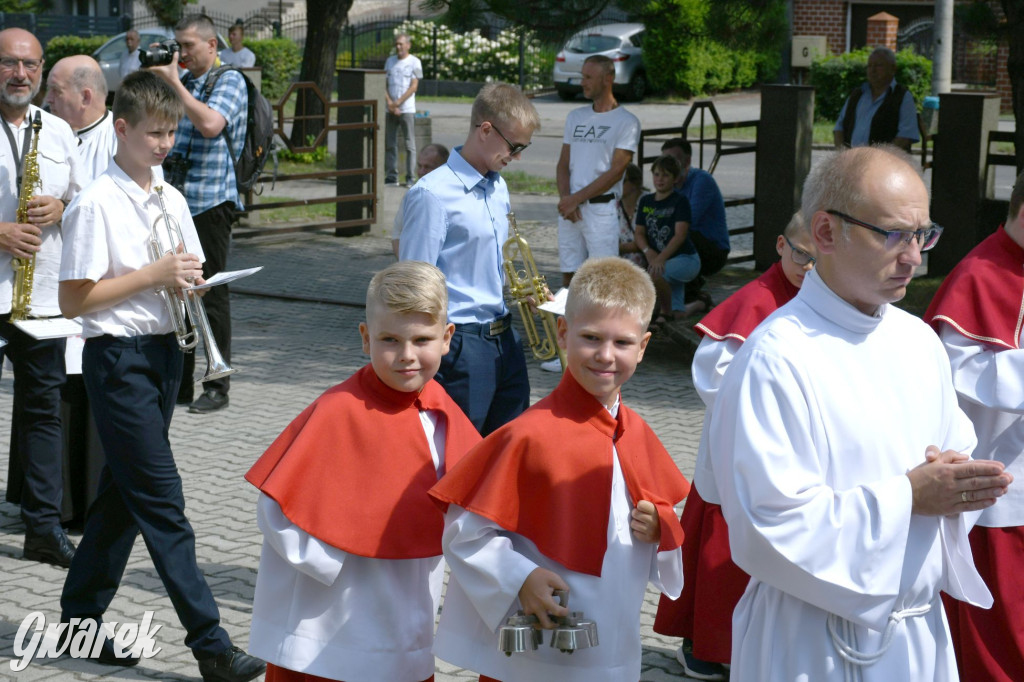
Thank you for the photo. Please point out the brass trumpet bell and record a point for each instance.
(518, 634)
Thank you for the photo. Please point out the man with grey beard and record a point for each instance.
(38, 363)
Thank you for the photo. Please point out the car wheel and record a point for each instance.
(637, 86)
(567, 95)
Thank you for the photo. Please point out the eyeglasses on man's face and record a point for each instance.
(513, 148)
(799, 256)
(926, 237)
(10, 64)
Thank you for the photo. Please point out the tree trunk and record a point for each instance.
(1014, 10)
(324, 19)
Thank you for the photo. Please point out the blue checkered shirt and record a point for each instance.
(211, 179)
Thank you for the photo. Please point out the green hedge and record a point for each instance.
(67, 46)
(834, 78)
(280, 59)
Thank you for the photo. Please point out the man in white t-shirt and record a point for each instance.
(599, 143)
(130, 59)
(404, 72)
(236, 55)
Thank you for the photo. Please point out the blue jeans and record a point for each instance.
(679, 270)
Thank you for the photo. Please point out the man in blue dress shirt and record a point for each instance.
(457, 219)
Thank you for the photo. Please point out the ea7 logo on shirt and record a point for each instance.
(585, 133)
(85, 640)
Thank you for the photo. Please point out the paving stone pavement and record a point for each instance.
(287, 352)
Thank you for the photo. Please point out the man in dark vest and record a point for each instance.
(880, 110)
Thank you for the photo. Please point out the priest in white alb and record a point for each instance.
(846, 480)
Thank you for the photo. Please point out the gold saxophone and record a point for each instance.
(526, 283)
(25, 268)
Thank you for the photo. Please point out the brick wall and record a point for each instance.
(828, 18)
(882, 29)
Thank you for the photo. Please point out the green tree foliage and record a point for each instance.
(59, 47)
(835, 77)
(24, 6)
(280, 60)
(698, 46)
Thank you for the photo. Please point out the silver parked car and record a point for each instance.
(622, 43)
(109, 55)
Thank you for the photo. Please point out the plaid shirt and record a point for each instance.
(211, 179)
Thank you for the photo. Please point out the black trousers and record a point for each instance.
(37, 441)
(132, 384)
(214, 228)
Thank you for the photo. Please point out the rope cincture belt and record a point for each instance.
(850, 654)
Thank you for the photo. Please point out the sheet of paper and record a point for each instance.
(556, 306)
(52, 328)
(225, 277)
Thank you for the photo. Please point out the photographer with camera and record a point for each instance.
(200, 165)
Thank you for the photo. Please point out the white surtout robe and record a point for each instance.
(488, 566)
(323, 611)
(818, 419)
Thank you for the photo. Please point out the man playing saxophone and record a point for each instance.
(38, 364)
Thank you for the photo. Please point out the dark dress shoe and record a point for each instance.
(52, 547)
(209, 401)
(234, 665)
(109, 657)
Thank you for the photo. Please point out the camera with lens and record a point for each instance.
(160, 55)
(175, 169)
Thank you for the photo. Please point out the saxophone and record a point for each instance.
(25, 268)
(526, 283)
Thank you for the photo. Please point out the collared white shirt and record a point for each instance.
(97, 148)
(107, 232)
(60, 177)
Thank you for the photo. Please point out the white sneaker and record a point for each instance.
(553, 365)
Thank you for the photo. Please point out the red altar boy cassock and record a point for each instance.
(712, 583)
(554, 488)
(351, 570)
(978, 313)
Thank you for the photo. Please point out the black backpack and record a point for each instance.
(259, 132)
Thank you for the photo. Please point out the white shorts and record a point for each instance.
(596, 236)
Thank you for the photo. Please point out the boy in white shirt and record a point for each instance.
(132, 367)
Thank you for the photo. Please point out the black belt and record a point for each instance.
(602, 199)
(495, 328)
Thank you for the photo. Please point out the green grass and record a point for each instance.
(522, 182)
(920, 292)
(294, 214)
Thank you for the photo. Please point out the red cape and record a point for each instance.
(983, 297)
(354, 468)
(738, 315)
(547, 475)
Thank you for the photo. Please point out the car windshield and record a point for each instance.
(589, 44)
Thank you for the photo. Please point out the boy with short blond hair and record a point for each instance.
(350, 573)
(575, 494)
(131, 366)
(712, 583)
(457, 219)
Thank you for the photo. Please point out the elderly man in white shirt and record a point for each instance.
(130, 59)
(845, 473)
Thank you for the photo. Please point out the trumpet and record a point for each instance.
(526, 283)
(188, 314)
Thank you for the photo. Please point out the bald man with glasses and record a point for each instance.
(846, 479)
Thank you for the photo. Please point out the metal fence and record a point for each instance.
(975, 61)
(46, 26)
